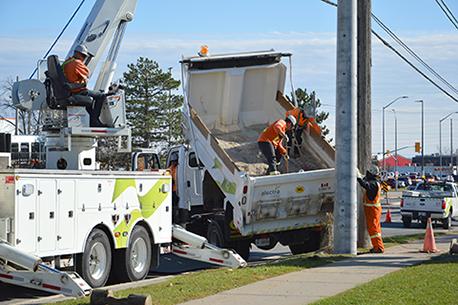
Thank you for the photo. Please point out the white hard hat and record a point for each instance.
(292, 119)
(81, 48)
(374, 170)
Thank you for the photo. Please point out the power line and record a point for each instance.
(448, 13)
(58, 36)
(412, 53)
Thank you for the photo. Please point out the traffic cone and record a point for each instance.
(388, 216)
(429, 245)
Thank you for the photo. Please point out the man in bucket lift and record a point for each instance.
(270, 142)
(303, 122)
(77, 72)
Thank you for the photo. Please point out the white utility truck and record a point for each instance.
(72, 216)
(438, 200)
(229, 100)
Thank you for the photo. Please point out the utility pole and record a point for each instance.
(451, 144)
(364, 108)
(346, 131)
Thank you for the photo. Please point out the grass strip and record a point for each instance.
(433, 282)
(203, 283)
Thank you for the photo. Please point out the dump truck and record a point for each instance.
(225, 193)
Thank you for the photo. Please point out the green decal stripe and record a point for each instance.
(149, 204)
(151, 201)
(120, 186)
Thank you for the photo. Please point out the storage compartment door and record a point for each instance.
(65, 214)
(26, 215)
(46, 215)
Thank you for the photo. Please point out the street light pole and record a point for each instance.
(395, 149)
(440, 138)
(383, 127)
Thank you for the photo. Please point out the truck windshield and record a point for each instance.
(436, 190)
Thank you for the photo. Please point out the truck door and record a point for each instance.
(194, 176)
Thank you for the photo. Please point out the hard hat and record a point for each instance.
(81, 48)
(173, 157)
(292, 119)
(374, 170)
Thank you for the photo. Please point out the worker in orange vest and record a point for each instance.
(76, 72)
(270, 142)
(373, 207)
(304, 122)
(172, 169)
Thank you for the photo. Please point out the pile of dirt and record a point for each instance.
(242, 148)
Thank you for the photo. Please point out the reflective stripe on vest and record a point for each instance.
(376, 235)
(376, 201)
(67, 62)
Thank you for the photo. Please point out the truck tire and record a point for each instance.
(94, 263)
(406, 221)
(447, 222)
(133, 263)
(215, 234)
(312, 244)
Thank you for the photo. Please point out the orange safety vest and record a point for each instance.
(75, 72)
(374, 202)
(173, 172)
(303, 121)
(272, 134)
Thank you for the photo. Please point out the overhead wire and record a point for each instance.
(58, 36)
(412, 53)
(448, 13)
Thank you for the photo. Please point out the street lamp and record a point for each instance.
(395, 148)
(383, 127)
(422, 136)
(440, 138)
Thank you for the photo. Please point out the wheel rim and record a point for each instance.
(97, 261)
(139, 255)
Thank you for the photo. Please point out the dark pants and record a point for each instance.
(297, 134)
(272, 155)
(95, 109)
(175, 200)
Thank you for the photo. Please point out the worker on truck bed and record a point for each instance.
(173, 167)
(77, 72)
(270, 142)
(303, 122)
(373, 207)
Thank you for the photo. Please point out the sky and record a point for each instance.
(167, 30)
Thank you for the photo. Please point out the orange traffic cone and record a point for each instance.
(388, 216)
(429, 245)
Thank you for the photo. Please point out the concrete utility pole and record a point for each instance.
(364, 107)
(346, 132)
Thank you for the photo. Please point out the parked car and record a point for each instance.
(392, 183)
(406, 179)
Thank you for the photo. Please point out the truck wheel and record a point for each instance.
(447, 222)
(406, 221)
(215, 234)
(312, 244)
(95, 263)
(133, 263)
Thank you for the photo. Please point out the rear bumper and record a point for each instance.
(421, 215)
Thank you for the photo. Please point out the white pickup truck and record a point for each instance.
(437, 200)
(229, 100)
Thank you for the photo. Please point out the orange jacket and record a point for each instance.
(273, 134)
(304, 122)
(76, 72)
(173, 172)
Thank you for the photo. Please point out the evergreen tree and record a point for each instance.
(153, 109)
(311, 104)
